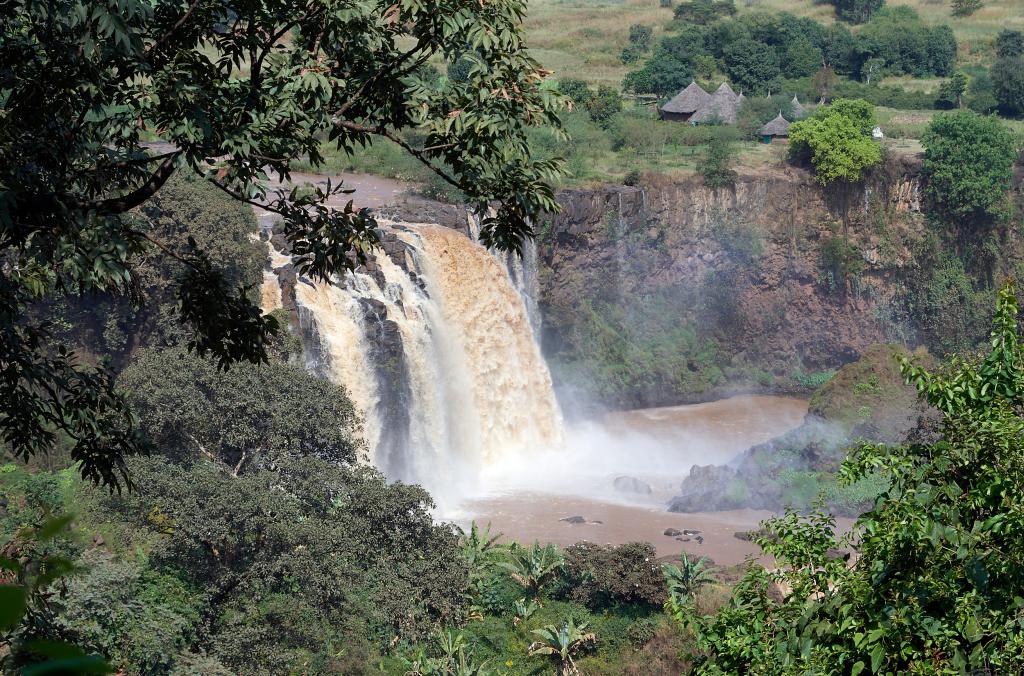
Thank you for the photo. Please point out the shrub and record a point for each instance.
(837, 141)
(968, 163)
(600, 577)
(716, 164)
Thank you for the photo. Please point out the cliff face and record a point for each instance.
(672, 291)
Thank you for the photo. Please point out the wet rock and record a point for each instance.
(683, 539)
(628, 484)
(689, 531)
(707, 489)
(597, 523)
(573, 519)
(699, 539)
(673, 532)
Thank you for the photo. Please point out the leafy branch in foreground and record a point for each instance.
(937, 585)
(233, 93)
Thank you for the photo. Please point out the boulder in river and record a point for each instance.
(573, 519)
(628, 484)
(673, 532)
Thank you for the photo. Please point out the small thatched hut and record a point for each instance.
(776, 129)
(684, 104)
(721, 107)
(798, 110)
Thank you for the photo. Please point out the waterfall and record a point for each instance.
(433, 342)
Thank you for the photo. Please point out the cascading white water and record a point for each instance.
(474, 388)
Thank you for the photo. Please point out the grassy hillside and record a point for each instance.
(584, 38)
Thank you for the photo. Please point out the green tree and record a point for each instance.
(719, 157)
(856, 11)
(968, 163)
(604, 105)
(802, 59)
(939, 573)
(1009, 43)
(247, 418)
(753, 67)
(1008, 84)
(663, 75)
(872, 69)
(295, 563)
(837, 141)
(562, 644)
(965, 7)
(235, 92)
(577, 90)
(951, 91)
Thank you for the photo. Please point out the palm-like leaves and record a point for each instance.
(686, 579)
(562, 644)
(479, 548)
(524, 610)
(454, 659)
(533, 567)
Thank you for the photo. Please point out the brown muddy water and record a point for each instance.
(525, 498)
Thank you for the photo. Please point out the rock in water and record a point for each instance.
(628, 484)
(673, 532)
(573, 519)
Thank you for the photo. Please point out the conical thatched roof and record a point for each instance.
(798, 110)
(722, 106)
(688, 100)
(777, 127)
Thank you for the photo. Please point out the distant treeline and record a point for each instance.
(759, 51)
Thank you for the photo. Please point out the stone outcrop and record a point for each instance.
(743, 272)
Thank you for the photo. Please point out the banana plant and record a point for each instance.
(479, 548)
(533, 567)
(562, 644)
(524, 610)
(685, 580)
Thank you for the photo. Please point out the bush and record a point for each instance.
(601, 577)
(968, 164)
(837, 141)
(716, 164)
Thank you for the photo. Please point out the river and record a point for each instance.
(525, 499)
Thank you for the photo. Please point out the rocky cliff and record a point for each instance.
(670, 291)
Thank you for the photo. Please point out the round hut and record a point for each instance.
(776, 129)
(798, 110)
(721, 107)
(683, 105)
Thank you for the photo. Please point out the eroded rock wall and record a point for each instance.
(672, 291)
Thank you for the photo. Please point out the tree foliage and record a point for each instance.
(1008, 84)
(968, 162)
(856, 11)
(937, 584)
(248, 418)
(236, 92)
(837, 141)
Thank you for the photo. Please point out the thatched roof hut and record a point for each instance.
(685, 103)
(722, 107)
(777, 128)
(798, 110)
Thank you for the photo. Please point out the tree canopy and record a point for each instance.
(968, 162)
(837, 140)
(234, 93)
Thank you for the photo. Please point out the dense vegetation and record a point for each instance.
(759, 52)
